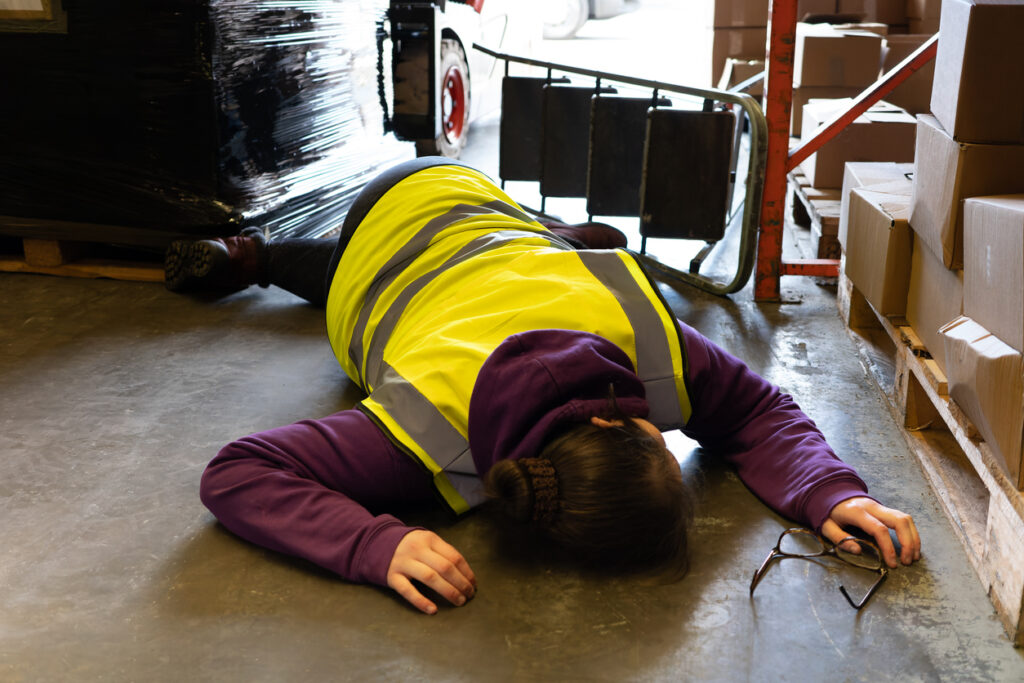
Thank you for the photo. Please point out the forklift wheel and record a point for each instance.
(454, 104)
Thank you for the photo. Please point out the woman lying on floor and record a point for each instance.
(533, 366)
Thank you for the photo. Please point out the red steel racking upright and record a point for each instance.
(769, 266)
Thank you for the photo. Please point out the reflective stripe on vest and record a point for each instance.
(416, 246)
(654, 359)
(374, 357)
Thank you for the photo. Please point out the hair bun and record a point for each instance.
(525, 489)
(544, 487)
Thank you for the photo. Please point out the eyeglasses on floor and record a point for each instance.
(804, 544)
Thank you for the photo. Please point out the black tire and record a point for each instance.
(563, 18)
(453, 80)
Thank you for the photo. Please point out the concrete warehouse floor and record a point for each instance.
(114, 395)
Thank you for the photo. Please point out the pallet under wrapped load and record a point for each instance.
(142, 122)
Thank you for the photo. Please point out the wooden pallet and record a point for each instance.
(977, 495)
(71, 259)
(79, 249)
(818, 211)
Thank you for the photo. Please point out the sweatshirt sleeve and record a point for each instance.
(779, 453)
(304, 490)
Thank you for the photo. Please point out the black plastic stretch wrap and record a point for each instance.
(184, 116)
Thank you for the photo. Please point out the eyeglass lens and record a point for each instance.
(803, 543)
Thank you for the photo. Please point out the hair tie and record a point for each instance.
(543, 486)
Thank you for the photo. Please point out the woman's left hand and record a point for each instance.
(875, 519)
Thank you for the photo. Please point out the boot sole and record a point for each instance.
(187, 264)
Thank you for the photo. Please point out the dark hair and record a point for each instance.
(612, 496)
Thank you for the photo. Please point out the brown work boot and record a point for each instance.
(591, 235)
(221, 263)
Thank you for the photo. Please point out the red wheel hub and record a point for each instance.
(453, 103)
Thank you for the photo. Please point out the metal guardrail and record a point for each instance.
(758, 132)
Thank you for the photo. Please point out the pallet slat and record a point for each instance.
(64, 258)
(818, 210)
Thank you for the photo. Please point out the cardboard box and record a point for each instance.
(935, 297)
(915, 93)
(729, 13)
(739, 43)
(882, 133)
(826, 56)
(816, 8)
(924, 9)
(994, 265)
(738, 70)
(979, 69)
(945, 173)
(891, 178)
(882, 11)
(929, 26)
(870, 27)
(803, 94)
(878, 250)
(986, 379)
(853, 8)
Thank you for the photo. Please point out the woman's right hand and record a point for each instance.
(425, 557)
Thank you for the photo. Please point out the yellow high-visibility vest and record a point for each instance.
(443, 268)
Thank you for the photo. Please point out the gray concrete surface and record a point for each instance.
(114, 395)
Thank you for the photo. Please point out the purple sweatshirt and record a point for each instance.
(319, 489)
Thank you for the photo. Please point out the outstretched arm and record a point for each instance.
(304, 490)
(780, 453)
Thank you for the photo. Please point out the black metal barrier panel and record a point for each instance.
(673, 168)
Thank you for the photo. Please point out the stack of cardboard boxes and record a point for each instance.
(834, 60)
(947, 250)
(736, 30)
(840, 60)
(832, 64)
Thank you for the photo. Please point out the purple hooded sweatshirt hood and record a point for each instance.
(566, 375)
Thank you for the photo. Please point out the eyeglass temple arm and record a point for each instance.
(882, 575)
(762, 570)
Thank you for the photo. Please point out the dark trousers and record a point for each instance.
(305, 267)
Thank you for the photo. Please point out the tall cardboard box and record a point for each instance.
(945, 173)
(882, 133)
(879, 249)
(979, 69)
(826, 56)
(915, 93)
(889, 177)
(934, 299)
(726, 13)
(986, 379)
(994, 265)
